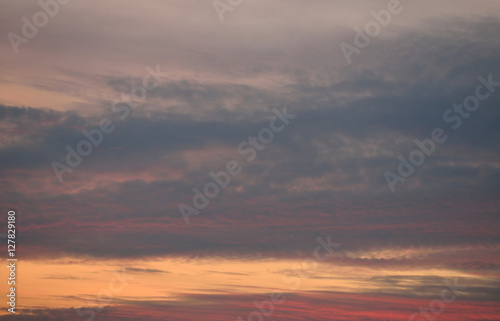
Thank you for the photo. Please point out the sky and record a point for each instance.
(251, 160)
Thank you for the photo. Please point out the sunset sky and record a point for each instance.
(326, 214)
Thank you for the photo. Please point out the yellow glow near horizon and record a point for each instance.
(75, 283)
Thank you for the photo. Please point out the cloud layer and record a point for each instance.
(322, 175)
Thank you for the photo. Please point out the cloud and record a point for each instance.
(139, 270)
(316, 306)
